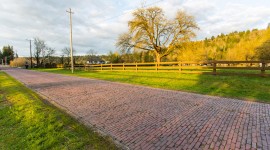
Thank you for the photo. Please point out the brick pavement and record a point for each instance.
(148, 118)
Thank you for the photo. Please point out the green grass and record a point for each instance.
(239, 71)
(240, 87)
(26, 122)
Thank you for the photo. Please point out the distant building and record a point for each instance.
(95, 60)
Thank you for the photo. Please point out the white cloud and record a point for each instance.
(97, 24)
(235, 17)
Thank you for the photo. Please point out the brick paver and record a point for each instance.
(148, 118)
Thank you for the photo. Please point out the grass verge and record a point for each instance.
(240, 87)
(26, 122)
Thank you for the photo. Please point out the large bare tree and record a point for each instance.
(150, 30)
(39, 50)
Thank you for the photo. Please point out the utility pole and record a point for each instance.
(30, 52)
(6, 60)
(71, 45)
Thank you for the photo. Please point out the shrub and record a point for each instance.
(19, 62)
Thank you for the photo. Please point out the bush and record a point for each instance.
(263, 52)
(19, 62)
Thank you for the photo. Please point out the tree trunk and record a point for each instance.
(143, 57)
(158, 58)
(37, 58)
(43, 60)
(68, 60)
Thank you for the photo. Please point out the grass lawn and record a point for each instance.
(26, 122)
(240, 87)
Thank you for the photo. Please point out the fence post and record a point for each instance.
(180, 66)
(111, 66)
(84, 67)
(101, 67)
(136, 67)
(156, 66)
(263, 68)
(214, 67)
(89, 68)
(123, 66)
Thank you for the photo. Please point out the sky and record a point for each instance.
(98, 23)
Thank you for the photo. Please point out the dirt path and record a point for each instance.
(148, 118)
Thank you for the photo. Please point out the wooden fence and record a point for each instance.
(249, 68)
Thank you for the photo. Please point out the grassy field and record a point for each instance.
(240, 87)
(26, 122)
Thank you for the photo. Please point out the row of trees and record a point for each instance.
(141, 56)
(44, 55)
(246, 45)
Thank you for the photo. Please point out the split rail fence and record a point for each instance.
(248, 68)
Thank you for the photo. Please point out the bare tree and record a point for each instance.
(43, 54)
(50, 52)
(40, 47)
(91, 55)
(150, 30)
(92, 52)
(66, 53)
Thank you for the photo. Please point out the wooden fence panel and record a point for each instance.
(258, 68)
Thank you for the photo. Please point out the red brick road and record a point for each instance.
(148, 118)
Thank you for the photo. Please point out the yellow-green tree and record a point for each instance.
(245, 45)
(7, 54)
(263, 52)
(150, 30)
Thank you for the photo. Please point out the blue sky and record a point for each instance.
(97, 24)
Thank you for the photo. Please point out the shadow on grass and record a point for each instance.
(249, 88)
(240, 87)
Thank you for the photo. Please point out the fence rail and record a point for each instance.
(249, 68)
